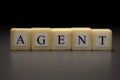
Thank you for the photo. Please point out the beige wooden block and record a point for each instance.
(20, 39)
(61, 39)
(40, 38)
(81, 38)
(102, 39)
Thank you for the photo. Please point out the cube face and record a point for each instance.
(40, 38)
(102, 39)
(61, 39)
(20, 39)
(81, 38)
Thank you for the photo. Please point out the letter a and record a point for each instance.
(20, 39)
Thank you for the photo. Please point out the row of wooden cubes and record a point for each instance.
(60, 39)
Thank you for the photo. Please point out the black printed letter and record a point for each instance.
(20, 39)
(102, 41)
(43, 42)
(60, 39)
(82, 39)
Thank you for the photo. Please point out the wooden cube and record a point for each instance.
(20, 39)
(40, 38)
(81, 38)
(61, 39)
(102, 39)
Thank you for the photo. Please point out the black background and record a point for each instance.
(60, 18)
